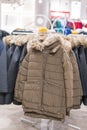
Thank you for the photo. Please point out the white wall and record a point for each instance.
(75, 10)
(83, 9)
(60, 5)
(15, 16)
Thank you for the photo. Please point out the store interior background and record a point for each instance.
(21, 13)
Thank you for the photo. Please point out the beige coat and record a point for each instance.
(45, 80)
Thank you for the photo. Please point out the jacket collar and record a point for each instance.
(51, 43)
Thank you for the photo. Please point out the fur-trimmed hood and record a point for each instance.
(77, 40)
(18, 39)
(52, 43)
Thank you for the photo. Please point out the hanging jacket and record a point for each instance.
(14, 55)
(80, 55)
(77, 87)
(13, 68)
(44, 83)
(15, 60)
(12, 71)
(3, 67)
(3, 71)
(23, 54)
(15, 52)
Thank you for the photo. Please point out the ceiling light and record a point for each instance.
(40, 1)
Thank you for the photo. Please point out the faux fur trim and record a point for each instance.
(17, 39)
(77, 40)
(48, 41)
(34, 41)
(67, 45)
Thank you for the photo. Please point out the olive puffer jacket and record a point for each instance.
(44, 83)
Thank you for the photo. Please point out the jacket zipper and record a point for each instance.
(43, 75)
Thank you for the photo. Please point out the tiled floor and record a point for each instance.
(11, 118)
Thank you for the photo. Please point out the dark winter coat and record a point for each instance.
(81, 59)
(3, 71)
(15, 60)
(3, 68)
(13, 68)
(13, 55)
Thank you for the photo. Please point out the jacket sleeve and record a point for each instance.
(21, 79)
(68, 80)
